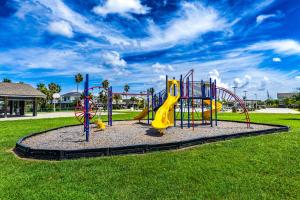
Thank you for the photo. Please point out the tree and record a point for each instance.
(43, 89)
(103, 93)
(78, 80)
(151, 90)
(6, 80)
(126, 90)
(54, 88)
(105, 84)
(117, 98)
(133, 100)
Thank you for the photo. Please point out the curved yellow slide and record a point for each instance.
(142, 114)
(207, 113)
(164, 116)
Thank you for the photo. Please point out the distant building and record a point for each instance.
(282, 96)
(13, 97)
(67, 100)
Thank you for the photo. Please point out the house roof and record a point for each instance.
(285, 95)
(19, 90)
(72, 94)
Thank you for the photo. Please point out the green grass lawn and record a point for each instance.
(259, 167)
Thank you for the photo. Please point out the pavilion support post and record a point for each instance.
(11, 107)
(34, 107)
(22, 108)
(5, 106)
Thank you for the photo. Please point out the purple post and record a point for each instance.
(86, 108)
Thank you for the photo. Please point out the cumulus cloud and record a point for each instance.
(215, 75)
(263, 84)
(194, 20)
(121, 7)
(159, 68)
(276, 59)
(114, 60)
(160, 72)
(61, 28)
(242, 83)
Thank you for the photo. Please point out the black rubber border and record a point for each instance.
(24, 151)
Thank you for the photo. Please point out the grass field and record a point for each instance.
(262, 167)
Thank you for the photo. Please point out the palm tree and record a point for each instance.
(126, 90)
(6, 80)
(151, 90)
(105, 84)
(78, 80)
(103, 93)
(54, 88)
(117, 98)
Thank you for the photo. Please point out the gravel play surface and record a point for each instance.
(127, 133)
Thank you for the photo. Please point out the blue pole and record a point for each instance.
(215, 95)
(86, 108)
(167, 88)
(174, 92)
(108, 106)
(152, 100)
(111, 107)
(188, 101)
(203, 96)
(181, 102)
(148, 106)
(210, 96)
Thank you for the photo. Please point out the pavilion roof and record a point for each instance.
(19, 90)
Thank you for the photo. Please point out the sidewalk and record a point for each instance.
(47, 115)
(277, 110)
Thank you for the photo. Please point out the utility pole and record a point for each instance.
(245, 94)
(255, 101)
(245, 97)
(234, 89)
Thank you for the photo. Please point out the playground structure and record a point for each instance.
(199, 104)
(190, 107)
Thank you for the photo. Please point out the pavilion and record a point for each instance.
(13, 97)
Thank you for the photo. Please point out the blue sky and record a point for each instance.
(251, 44)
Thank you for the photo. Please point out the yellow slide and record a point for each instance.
(164, 116)
(142, 114)
(207, 113)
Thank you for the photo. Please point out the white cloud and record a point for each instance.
(287, 46)
(242, 83)
(56, 10)
(122, 7)
(61, 28)
(113, 58)
(263, 84)
(276, 59)
(297, 77)
(261, 18)
(159, 68)
(215, 75)
(60, 11)
(194, 20)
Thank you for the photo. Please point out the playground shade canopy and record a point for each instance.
(13, 97)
